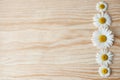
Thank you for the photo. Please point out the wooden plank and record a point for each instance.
(51, 40)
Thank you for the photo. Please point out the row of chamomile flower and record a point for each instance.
(103, 39)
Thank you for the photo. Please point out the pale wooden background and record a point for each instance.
(51, 40)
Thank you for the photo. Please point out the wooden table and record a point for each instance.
(51, 40)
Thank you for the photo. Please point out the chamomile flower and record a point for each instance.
(104, 57)
(102, 20)
(104, 71)
(101, 6)
(103, 38)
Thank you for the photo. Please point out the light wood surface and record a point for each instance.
(51, 40)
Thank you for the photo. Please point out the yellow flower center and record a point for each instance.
(102, 6)
(104, 57)
(102, 20)
(104, 71)
(102, 38)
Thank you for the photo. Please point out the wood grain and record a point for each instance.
(51, 40)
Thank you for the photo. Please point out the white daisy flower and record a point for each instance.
(104, 71)
(104, 57)
(102, 20)
(101, 6)
(103, 38)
